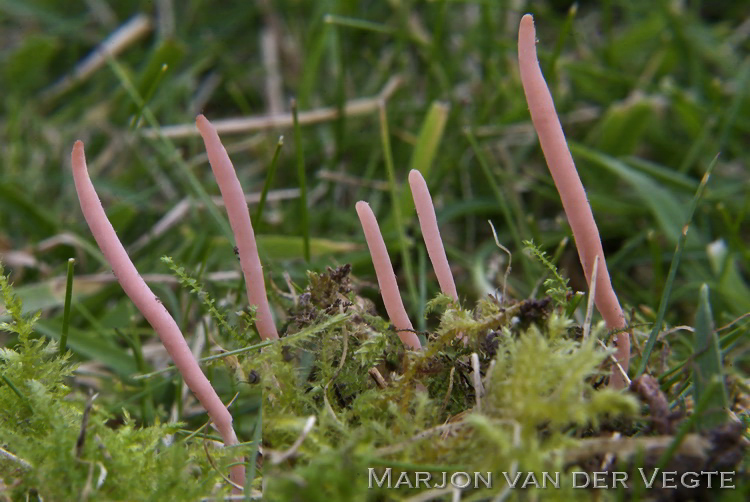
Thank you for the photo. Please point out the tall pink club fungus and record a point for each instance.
(151, 308)
(575, 203)
(431, 233)
(386, 277)
(239, 219)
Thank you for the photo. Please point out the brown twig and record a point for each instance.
(379, 380)
(278, 457)
(81, 441)
(13, 458)
(353, 108)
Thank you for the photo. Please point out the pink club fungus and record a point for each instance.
(572, 193)
(386, 277)
(239, 220)
(151, 308)
(431, 233)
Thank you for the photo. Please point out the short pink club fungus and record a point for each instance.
(239, 220)
(431, 233)
(572, 193)
(386, 277)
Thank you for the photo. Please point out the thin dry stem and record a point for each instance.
(13, 458)
(353, 108)
(377, 377)
(590, 301)
(477, 380)
(277, 458)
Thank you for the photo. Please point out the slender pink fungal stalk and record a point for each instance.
(575, 203)
(239, 219)
(386, 277)
(431, 233)
(150, 306)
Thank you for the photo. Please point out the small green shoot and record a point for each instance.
(398, 217)
(428, 142)
(499, 195)
(302, 180)
(149, 94)
(556, 287)
(66, 308)
(253, 457)
(287, 340)
(672, 274)
(358, 24)
(269, 180)
(565, 31)
(17, 392)
(169, 150)
(707, 367)
(688, 424)
(195, 287)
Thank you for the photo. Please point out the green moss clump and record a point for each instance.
(49, 453)
(537, 397)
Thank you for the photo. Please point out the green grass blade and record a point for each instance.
(91, 345)
(735, 106)
(358, 24)
(404, 243)
(315, 45)
(66, 308)
(45, 295)
(149, 94)
(499, 195)
(302, 179)
(729, 283)
(165, 56)
(147, 399)
(333, 321)
(16, 200)
(253, 457)
(664, 174)
(667, 210)
(686, 426)
(551, 66)
(290, 247)
(423, 155)
(697, 146)
(707, 366)
(666, 293)
(430, 135)
(17, 392)
(170, 151)
(269, 180)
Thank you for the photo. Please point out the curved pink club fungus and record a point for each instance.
(431, 233)
(386, 277)
(575, 203)
(151, 308)
(239, 220)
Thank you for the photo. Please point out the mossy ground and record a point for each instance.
(540, 404)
